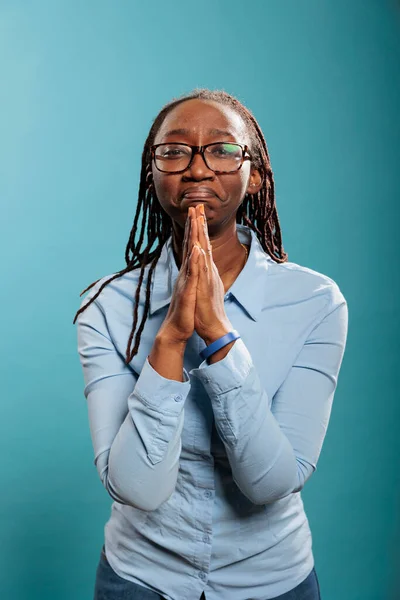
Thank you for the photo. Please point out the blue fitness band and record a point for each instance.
(219, 343)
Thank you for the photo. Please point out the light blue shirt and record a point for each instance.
(206, 474)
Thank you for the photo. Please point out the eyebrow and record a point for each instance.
(213, 131)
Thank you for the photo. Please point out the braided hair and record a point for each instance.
(257, 211)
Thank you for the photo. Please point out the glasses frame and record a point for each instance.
(200, 150)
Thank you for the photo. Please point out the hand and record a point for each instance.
(179, 323)
(210, 320)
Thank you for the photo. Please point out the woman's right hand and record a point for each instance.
(178, 325)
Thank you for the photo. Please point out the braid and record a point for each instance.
(257, 211)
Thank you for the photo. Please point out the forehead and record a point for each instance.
(202, 117)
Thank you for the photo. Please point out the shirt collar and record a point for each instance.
(248, 288)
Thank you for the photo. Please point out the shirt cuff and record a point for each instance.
(160, 393)
(226, 374)
(157, 404)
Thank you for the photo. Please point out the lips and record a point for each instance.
(194, 193)
(198, 195)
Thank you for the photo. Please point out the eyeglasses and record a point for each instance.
(220, 157)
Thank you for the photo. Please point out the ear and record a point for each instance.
(255, 182)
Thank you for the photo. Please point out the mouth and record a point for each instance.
(195, 195)
(195, 200)
(198, 193)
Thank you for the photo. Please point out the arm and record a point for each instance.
(135, 420)
(273, 452)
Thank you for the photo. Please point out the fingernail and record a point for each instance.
(201, 209)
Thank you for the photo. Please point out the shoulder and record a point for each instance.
(114, 289)
(300, 283)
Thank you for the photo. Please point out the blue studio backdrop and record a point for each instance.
(80, 84)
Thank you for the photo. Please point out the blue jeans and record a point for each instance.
(110, 586)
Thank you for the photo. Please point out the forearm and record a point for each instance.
(262, 460)
(144, 457)
(273, 443)
(134, 475)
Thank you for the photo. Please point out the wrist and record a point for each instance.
(167, 339)
(216, 334)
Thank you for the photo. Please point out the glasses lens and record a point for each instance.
(224, 156)
(172, 157)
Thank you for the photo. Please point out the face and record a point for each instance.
(202, 122)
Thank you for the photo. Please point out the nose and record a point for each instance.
(198, 168)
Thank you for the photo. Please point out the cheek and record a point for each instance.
(158, 181)
(165, 187)
(244, 173)
(161, 188)
(238, 185)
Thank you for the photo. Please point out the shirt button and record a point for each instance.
(207, 494)
(178, 398)
(202, 575)
(206, 538)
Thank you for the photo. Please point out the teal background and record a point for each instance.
(80, 83)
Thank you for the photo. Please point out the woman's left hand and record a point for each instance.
(210, 321)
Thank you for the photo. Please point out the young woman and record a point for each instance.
(205, 432)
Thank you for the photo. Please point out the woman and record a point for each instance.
(205, 432)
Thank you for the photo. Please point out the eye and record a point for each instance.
(172, 151)
(226, 150)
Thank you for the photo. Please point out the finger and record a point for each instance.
(203, 272)
(203, 235)
(193, 227)
(185, 240)
(192, 270)
(190, 240)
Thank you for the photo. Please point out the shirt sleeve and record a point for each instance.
(274, 451)
(135, 420)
